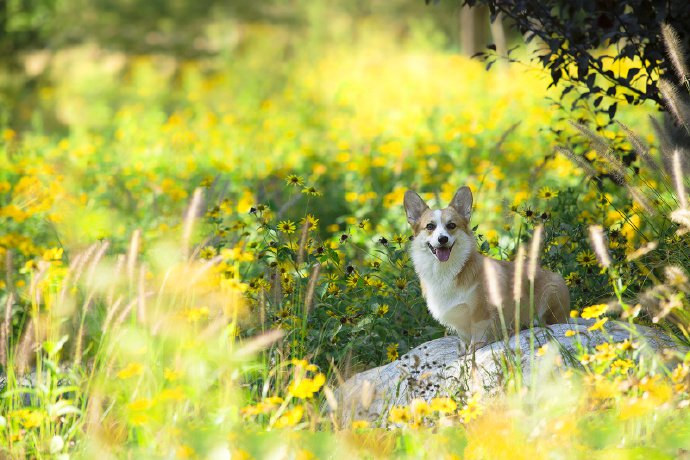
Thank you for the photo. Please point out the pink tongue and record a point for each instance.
(442, 254)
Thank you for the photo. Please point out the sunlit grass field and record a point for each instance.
(197, 253)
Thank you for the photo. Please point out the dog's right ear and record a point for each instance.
(414, 207)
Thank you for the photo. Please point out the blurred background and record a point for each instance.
(44, 42)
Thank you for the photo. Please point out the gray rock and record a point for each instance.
(440, 368)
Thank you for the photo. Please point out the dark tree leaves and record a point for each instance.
(573, 33)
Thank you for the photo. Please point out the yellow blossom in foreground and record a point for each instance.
(29, 418)
(237, 254)
(140, 404)
(680, 372)
(443, 405)
(570, 333)
(139, 419)
(290, 418)
(594, 311)
(420, 408)
(598, 325)
(306, 387)
(184, 451)
(53, 254)
(131, 370)
(172, 394)
(636, 407)
(622, 365)
(655, 388)
(399, 414)
(305, 454)
(472, 409)
(171, 375)
(360, 424)
(273, 400)
(193, 315)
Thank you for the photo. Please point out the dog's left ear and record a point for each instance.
(462, 202)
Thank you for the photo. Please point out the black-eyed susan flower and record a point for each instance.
(528, 213)
(586, 258)
(572, 279)
(294, 180)
(401, 283)
(208, 252)
(392, 352)
(311, 191)
(546, 193)
(382, 310)
(286, 226)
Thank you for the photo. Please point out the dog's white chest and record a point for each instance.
(450, 304)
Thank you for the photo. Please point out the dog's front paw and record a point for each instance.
(464, 348)
(470, 348)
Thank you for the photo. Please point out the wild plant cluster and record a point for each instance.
(195, 274)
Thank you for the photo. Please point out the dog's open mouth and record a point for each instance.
(442, 253)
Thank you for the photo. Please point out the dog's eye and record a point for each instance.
(451, 226)
(430, 226)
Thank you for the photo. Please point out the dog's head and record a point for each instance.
(439, 231)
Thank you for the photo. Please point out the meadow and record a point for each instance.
(196, 253)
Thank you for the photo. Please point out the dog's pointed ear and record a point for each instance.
(414, 207)
(462, 202)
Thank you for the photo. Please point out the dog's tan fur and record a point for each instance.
(457, 290)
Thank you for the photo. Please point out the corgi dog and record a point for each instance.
(460, 285)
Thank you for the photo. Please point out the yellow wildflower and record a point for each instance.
(586, 258)
(294, 180)
(420, 408)
(547, 193)
(360, 424)
(140, 404)
(399, 414)
(53, 254)
(306, 387)
(290, 418)
(392, 351)
(443, 405)
(196, 314)
(172, 394)
(286, 226)
(598, 325)
(208, 252)
(171, 375)
(131, 370)
(472, 409)
(594, 311)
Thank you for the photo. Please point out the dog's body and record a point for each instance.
(456, 280)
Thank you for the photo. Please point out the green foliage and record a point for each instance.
(602, 53)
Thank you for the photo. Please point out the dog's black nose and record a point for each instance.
(443, 239)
